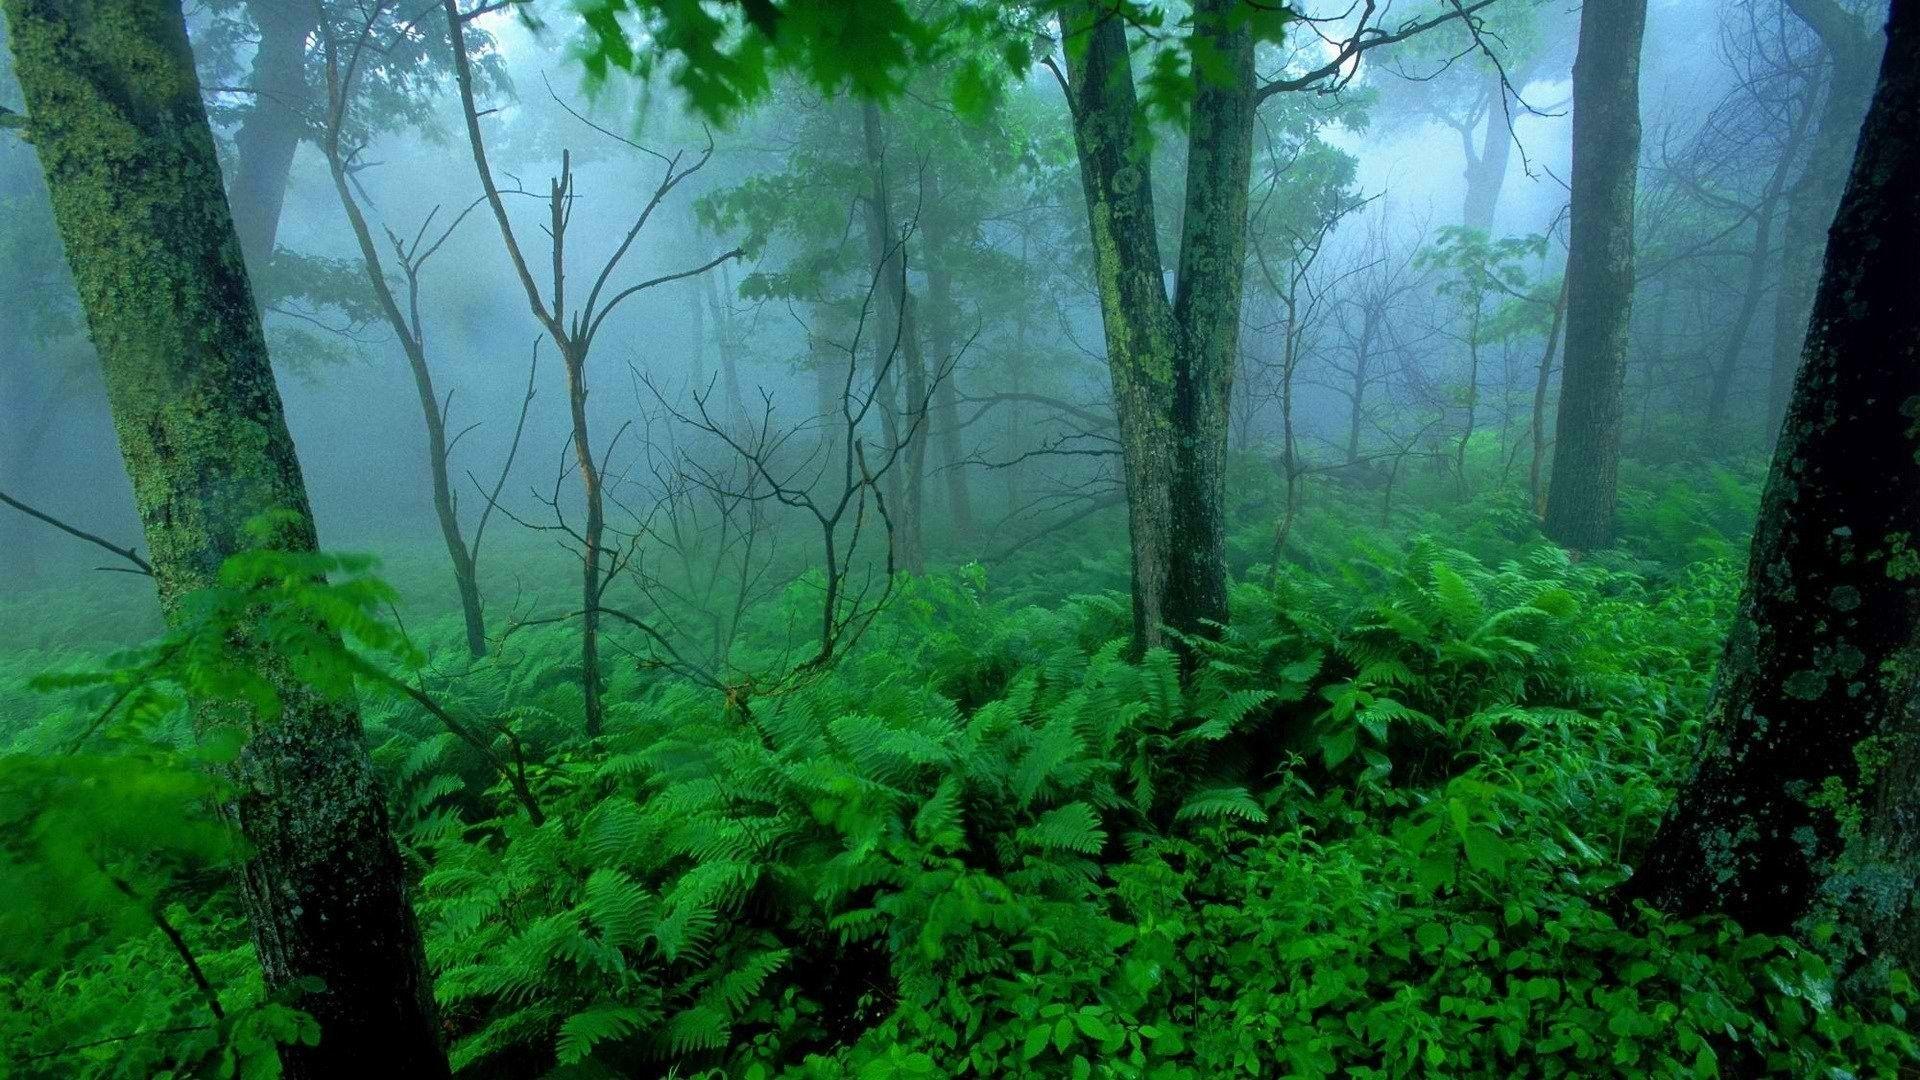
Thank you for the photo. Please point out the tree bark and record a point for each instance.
(1804, 804)
(271, 130)
(1606, 150)
(1206, 314)
(117, 117)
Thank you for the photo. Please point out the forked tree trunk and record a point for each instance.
(123, 137)
(1804, 805)
(1171, 360)
(1606, 151)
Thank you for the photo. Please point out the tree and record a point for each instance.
(1448, 78)
(1804, 803)
(115, 110)
(1473, 270)
(1606, 149)
(573, 331)
(1172, 357)
(271, 125)
(899, 333)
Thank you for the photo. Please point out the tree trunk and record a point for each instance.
(940, 334)
(123, 138)
(270, 133)
(1357, 396)
(1473, 399)
(1804, 806)
(1206, 313)
(898, 357)
(829, 390)
(1486, 172)
(1171, 361)
(1606, 150)
(407, 327)
(1543, 378)
(593, 536)
(1117, 178)
(727, 346)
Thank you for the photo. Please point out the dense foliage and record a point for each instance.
(1375, 834)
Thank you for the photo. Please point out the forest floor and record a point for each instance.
(1375, 832)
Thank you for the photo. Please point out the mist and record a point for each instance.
(786, 537)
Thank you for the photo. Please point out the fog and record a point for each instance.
(356, 417)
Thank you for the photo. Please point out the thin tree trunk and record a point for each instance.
(1606, 150)
(940, 334)
(592, 534)
(697, 334)
(1473, 399)
(1542, 380)
(270, 132)
(1356, 399)
(408, 328)
(1804, 807)
(899, 360)
(727, 345)
(136, 194)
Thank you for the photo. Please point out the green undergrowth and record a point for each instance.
(1375, 832)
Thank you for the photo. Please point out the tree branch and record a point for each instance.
(143, 567)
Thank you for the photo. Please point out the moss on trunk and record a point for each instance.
(117, 118)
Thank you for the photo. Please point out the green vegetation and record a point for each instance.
(1376, 833)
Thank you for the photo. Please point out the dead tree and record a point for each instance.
(343, 63)
(574, 330)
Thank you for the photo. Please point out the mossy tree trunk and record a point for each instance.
(117, 118)
(1606, 152)
(1804, 805)
(1171, 359)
